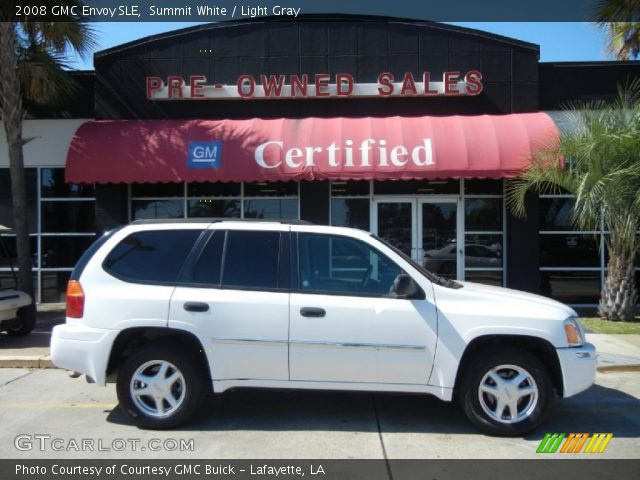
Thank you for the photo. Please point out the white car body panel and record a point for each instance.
(240, 341)
(364, 340)
(259, 338)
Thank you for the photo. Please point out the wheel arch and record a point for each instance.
(542, 349)
(130, 339)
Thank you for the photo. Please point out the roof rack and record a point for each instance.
(219, 220)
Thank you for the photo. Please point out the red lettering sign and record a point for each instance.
(341, 85)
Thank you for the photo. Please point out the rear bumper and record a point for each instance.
(579, 366)
(82, 349)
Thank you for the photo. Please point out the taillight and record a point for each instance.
(75, 299)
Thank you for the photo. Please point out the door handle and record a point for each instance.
(312, 312)
(196, 307)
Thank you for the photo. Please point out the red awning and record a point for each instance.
(391, 148)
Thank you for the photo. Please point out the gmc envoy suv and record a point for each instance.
(172, 310)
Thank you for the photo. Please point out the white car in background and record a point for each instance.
(170, 310)
(13, 301)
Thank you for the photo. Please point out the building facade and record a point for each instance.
(408, 129)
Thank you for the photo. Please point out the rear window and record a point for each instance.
(152, 256)
(90, 252)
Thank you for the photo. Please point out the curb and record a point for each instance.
(33, 361)
(619, 368)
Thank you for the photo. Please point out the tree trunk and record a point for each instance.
(619, 295)
(13, 115)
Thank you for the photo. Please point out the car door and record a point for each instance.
(235, 298)
(346, 326)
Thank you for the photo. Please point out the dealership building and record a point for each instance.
(405, 128)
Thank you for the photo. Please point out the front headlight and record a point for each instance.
(574, 332)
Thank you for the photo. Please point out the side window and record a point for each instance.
(251, 260)
(344, 265)
(208, 267)
(151, 256)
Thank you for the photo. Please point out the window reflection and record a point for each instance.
(571, 250)
(152, 209)
(214, 208)
(483, 214)
(350, 212)
(571, 287)
(271, 208)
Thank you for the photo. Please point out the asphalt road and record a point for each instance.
(48, 408)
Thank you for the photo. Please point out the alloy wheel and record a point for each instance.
(508, 394)
(158, 388)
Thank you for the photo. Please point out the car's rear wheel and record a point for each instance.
(507, 392)
(160, 386)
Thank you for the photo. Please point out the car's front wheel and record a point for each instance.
(160, 386)
(507, 392)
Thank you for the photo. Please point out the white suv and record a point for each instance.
(173, 310)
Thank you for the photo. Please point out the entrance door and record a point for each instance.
(428, 229)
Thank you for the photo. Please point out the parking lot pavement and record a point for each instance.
(289, 424)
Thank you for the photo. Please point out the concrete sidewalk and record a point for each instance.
(615, 352)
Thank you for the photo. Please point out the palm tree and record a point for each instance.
(621, 20)
(602, 171)
(32, 57)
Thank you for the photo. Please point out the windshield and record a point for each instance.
(445, 282)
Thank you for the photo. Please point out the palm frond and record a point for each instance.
(602, 167)
(44, 79)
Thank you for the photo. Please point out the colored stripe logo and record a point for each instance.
(574, 443)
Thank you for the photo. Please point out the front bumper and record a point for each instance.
(82, 349)
(579, 366)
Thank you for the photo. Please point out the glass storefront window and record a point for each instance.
(152, 209)
(214, 208)
(68, 217)
(9, 242)
(6, 202)
(276, 209)
(271, 189)
(157, 190)
(555, 213)
(7, 281)
(483, 187)
(483, 251)
(352, 188)
(487, 278)
(63, 251)
(483, 214)
(54, 286)
(350, 212)
(571, 287)
(416, 187)
(569, 250)
(219, 189)
(52, 184)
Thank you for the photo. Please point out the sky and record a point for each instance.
(559, 41)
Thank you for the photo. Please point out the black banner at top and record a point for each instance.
(227, 10)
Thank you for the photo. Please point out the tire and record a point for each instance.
(478, 392)
(184, 382)
(25, 323)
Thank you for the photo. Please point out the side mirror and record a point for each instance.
(405, 287)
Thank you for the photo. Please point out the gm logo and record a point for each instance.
(574, 443)
(205, 154)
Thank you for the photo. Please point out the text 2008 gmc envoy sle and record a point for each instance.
(173, 310)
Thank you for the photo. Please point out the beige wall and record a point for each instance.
(50, 142)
